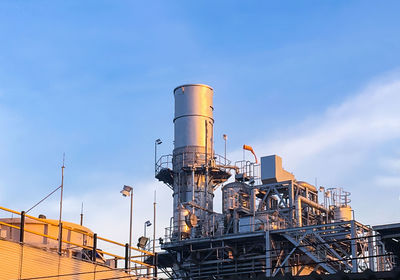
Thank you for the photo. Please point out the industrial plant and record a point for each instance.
(272, 224)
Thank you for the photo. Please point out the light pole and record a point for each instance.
(225, 138)
(128, 191)
(156, 143)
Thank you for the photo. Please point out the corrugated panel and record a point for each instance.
(21, 262)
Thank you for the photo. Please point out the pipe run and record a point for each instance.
(302, 199)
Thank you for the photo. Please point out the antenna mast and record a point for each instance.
(61, 200)
(62, 188)
(82, 214)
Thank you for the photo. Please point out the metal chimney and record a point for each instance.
(195, 170)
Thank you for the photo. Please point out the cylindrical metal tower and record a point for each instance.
(193, 109)
(196, 170)
(192, 156)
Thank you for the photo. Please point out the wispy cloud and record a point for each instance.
(106, 211)
(351, 144)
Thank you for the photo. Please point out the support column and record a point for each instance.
(354, 262)
(268, 262)
(371, 251)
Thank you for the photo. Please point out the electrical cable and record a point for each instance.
(42, 200)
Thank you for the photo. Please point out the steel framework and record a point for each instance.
(271, 224)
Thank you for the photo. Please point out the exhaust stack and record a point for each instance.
(195, 170)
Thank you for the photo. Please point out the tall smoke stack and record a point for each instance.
(195, 168)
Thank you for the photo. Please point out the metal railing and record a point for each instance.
(87, 250)
(250, 170)
(190, 159)
(244, 225)
(164, 161)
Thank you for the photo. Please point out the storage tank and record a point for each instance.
(342, 213)
(71, 232)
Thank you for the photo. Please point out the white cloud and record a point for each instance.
(339, 148)
(360, 122)
(388, 181)
(346, 147)
(106, 211)
(350, 146)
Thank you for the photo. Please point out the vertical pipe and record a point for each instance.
(127, 257)
(371, 251)
(179, 206)
(253, 201)
(235, 221)
(155, 258)
(82, 215)
(22, 227)
(193, 186)
(62, 191)
(225, 138)
(94, 250)
(130, 231)
(268, 263)
(353, 247)
(154, 222)
(299, 212)
(206, 163)
(291, 200)
(61, 204)
(60, 229)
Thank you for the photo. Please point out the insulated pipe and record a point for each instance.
(229, 167)
(313, 204)
(307, 185)
(298, 212)
(302, 199)
(253, 201)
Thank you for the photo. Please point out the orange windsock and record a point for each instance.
(249, 148)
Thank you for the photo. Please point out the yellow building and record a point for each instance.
(31, 248)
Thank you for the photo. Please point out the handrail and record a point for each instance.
(40, 234)
(45, 221)
(9, 225)
(111, 241)
(79, 231)
(123, 245)
(78, 245)
(9, 210)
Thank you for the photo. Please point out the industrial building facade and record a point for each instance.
(271, 224)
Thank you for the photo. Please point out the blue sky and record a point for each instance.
(314, 81)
